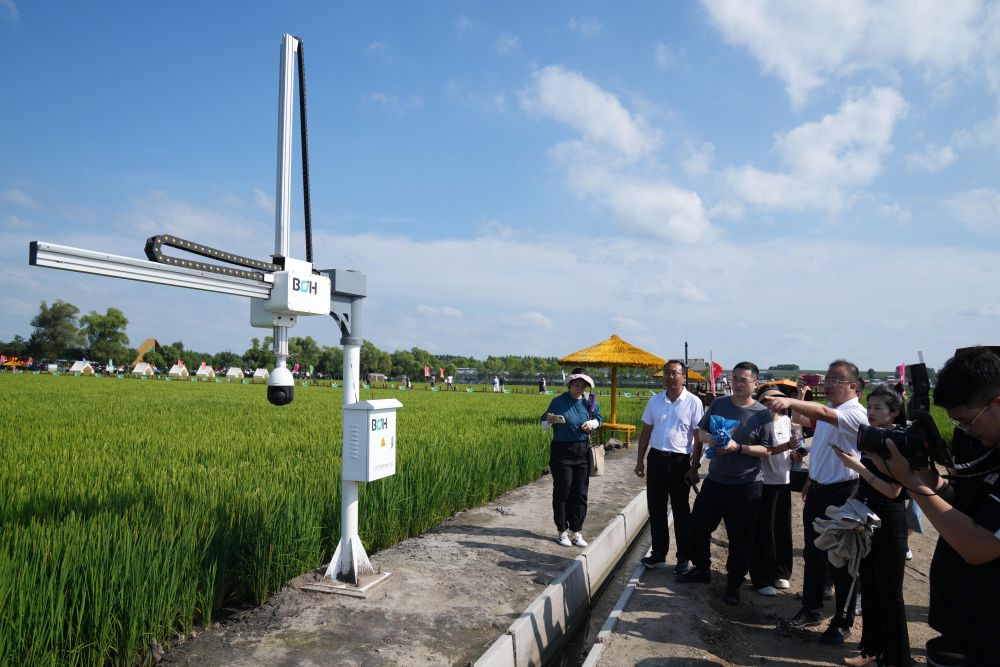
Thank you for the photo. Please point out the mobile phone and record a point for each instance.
(837, 447)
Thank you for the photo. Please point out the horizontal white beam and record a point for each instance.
(67, 258)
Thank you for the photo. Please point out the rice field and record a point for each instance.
(133, 511)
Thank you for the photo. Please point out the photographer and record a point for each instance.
(965, 571)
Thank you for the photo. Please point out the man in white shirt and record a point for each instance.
(830, 483)
(669, 426)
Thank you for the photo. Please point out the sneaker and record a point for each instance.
(652, 564)
(782, 584)
(578, 540)
(563, 540)
(828, 592)
(695, 575)
(682, 567)
(768, 591)
(909, 554)
(803, 619)
(732, 595)
(835, 635)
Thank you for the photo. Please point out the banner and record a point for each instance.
(427, 371)
(441, 373)
(296, 369)
(716, 370)
(902, 372)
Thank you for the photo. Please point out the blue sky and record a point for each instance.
(782, 182)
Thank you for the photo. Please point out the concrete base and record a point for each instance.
(367, 583)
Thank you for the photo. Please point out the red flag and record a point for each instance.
(180, 363)
(3, 359)
(30, 361)
(716, 370)
(202, 366)
(427, 371)
(902, 372)
(441, 373)
(296, 369)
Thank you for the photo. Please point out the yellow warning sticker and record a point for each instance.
(383, 443)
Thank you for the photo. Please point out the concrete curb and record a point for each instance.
(540, 631)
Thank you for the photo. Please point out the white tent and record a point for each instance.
(177, 371)
(82, 367)
(234, 373)
(260, 375)
(206, 372)
(142, 368)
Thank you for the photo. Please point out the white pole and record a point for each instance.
(283, 187)
(350, 560)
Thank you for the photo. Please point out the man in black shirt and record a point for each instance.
(965, 571)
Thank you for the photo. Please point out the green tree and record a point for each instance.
(871, 374)
(105, 336)
(17, 347)
(331, 362)
(404, 363)
(305, 352)
(227, 359)
(259, 355)
(56, 331)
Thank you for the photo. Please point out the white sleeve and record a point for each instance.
(593, 423)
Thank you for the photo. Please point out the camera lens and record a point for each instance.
(278, 395)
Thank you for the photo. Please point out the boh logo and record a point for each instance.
(304, 286)
(380, 424)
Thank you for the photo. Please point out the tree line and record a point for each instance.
(61, 333)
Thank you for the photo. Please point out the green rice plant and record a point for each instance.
(132, 511)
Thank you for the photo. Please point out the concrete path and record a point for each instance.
(453, 593)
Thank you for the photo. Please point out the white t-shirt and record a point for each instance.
(776, 466)
(674, 423)
(824, 466)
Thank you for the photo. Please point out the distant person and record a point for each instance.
(669, 428)
(503, 383)
(433, 381)
(496, 384)
(731, 493)
(572, 419)
(771, 565)
(542, 385)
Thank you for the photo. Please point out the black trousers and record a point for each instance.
(816, 563)
(666, 490)
(736, 505)
(772, 542)
(569, 464)
(883, 632)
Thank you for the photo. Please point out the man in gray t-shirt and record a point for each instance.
(732, 490)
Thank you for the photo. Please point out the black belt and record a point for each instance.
(833, 487)
(663, 453)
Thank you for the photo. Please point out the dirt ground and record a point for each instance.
(670, 624)
(455, 589)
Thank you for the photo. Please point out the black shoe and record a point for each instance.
(835, 635)
(801, 620)
(732, 595)
(682, 567)
(652, 563)
(695, 575)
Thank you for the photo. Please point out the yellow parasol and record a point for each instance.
(692, 375)
(612, 353)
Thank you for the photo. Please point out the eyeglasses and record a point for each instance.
(737, 380)
(835, 381)
(967, 427)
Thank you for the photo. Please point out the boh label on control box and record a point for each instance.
(370, 440)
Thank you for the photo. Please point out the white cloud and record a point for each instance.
(824, 162)
(986, 133)
(568, 97)
(931, 159)
(977, 209)
(463, 24)
(529, 319)
(588, 27)
(896, 212)
(14, 223)
(495, 229)
(807, 44)
(10, 9)
(264, 201)
(375, 47)
(981, 310)
(394, 104)
(667, 58)
(699, 159)
(440, 311)
(506, 44)
(18, 197)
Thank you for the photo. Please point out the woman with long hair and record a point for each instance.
(884, 636)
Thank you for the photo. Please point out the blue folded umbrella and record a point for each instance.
(722, 432)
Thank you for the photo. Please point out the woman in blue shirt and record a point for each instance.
(572, 419)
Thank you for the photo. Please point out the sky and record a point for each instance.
(779, 182)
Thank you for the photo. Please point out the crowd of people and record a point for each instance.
(754, 437)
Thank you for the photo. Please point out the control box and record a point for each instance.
(370, 440)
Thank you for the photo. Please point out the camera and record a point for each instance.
(280, 386)
(919, 442)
